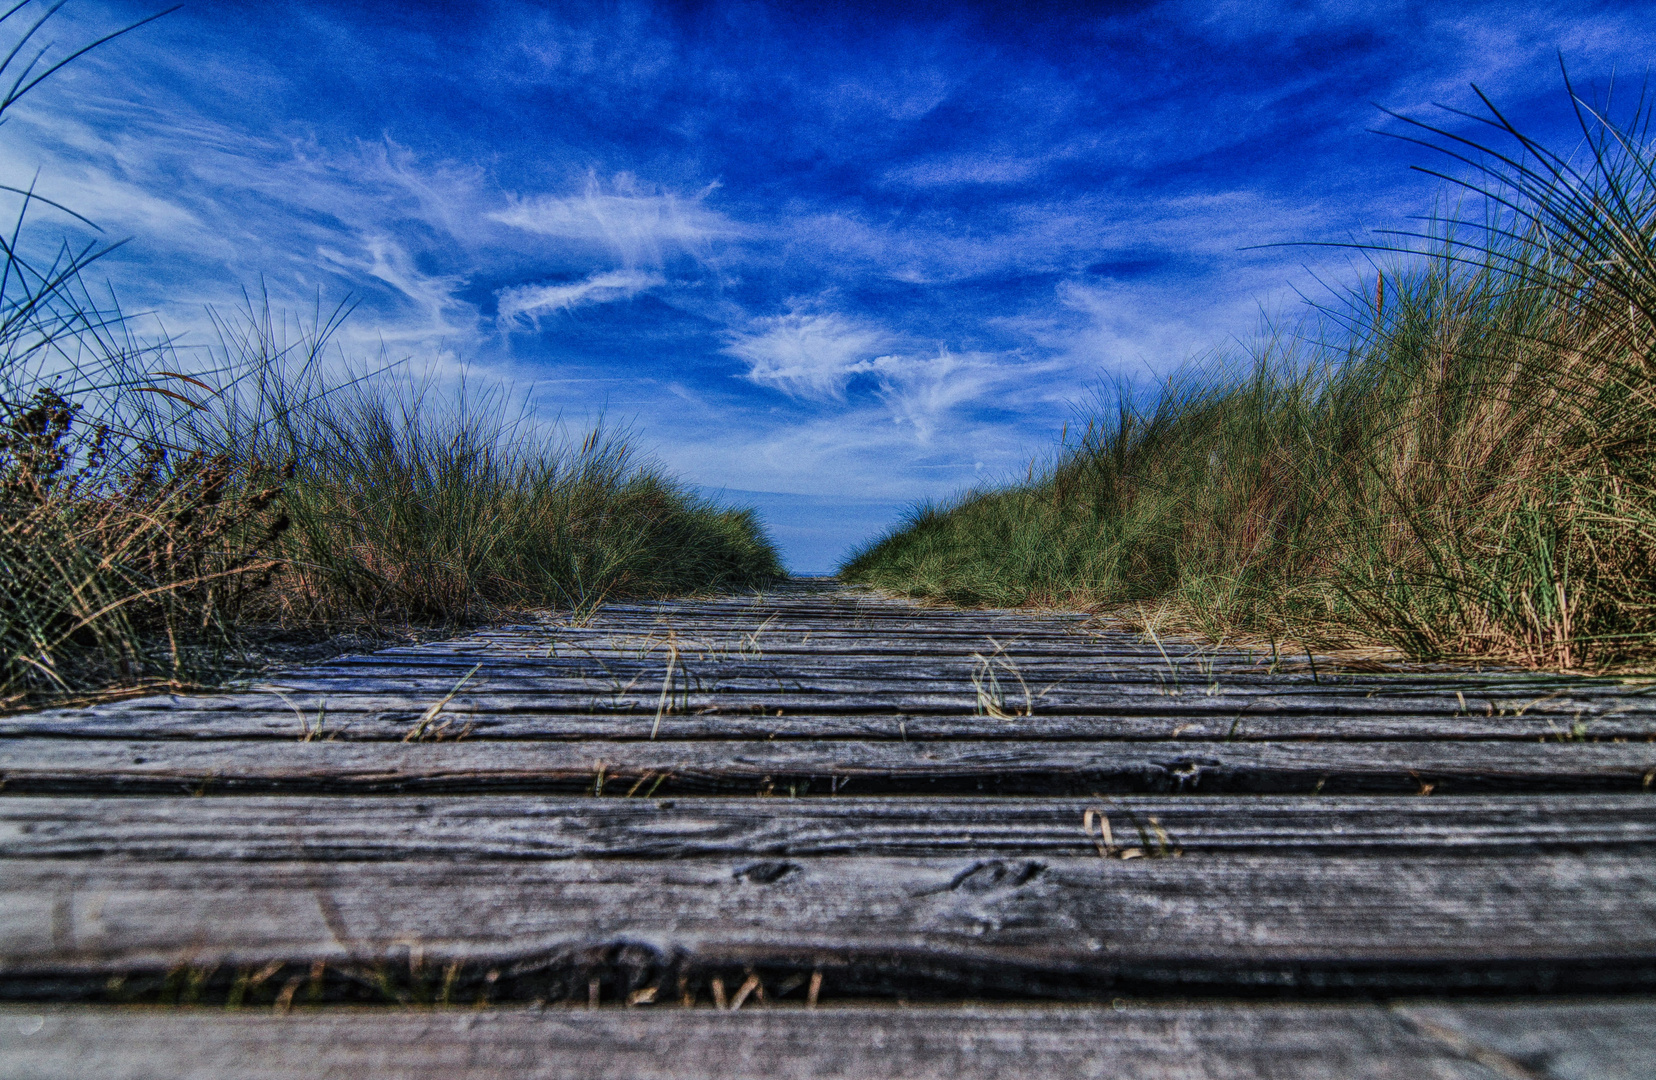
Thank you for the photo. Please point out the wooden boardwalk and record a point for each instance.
(816, 832)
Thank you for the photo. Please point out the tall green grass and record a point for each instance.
(1457, 460)
(141, 538)
(408, 500)
(152, 512)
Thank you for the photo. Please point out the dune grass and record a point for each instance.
(1455, 461)
(412, 501)
(144, 532)
(153, 512)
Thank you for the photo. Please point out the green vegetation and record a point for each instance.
(152, 514)
(141, 536)
(147, 519)
(405, 508)
(1457, 461)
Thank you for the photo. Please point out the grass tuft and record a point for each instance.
(1455, 461)
(140, 543)
(151, 514)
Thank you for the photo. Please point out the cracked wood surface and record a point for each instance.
(1060, 925)
(514, 827)
(815, 687)
(460, 812)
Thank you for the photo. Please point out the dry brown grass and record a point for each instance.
(1459, 460)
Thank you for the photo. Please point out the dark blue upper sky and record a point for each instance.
(855, 255)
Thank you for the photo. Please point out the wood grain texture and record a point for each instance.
(631, 688)
(464, 829)
(1265, 1042)
(961, 753)
(1605, 1039)
(381, 717)
(837, 673)
(47, 766)
(1241, 923)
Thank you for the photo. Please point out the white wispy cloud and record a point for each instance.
(529, 302)
(115, 205)
(228, 168)
(920, 399)
(639, 226)
(913, 395)
(810, 355)
(435, 312)
(1132, 329)
(962, 169)
(856, 451)
(923, 391)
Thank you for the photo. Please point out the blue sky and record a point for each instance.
(827, 259)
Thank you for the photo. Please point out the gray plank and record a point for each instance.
(67, 766)
(1236, 1042)
(1053, 926)
(937, 895)
(912, 671)
(383, 717)
(1559, 1040)
(876, 668)
(513, 827)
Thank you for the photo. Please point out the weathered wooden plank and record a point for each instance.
(805, 674)
(931, 673)
(841, 602)
(906, 664)
(1448, 715)
(502, 682)
(1604, 1039)
(919, 675)
(569, 647)
(800, 691)
(758, 634)
(1090, 926)
(959, 896)
(840, 606)
(802, 673)
(1234, 1042)
(512, 827)
(380, 717)
(716, 641)
(68, 766)
(598, 699)
(772, 623)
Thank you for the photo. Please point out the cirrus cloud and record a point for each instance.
(809, 355)
(527, 303)
(637, 225)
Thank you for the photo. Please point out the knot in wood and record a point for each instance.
(994, 874)
(766, 873)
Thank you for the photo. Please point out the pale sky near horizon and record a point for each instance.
(828, 259)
